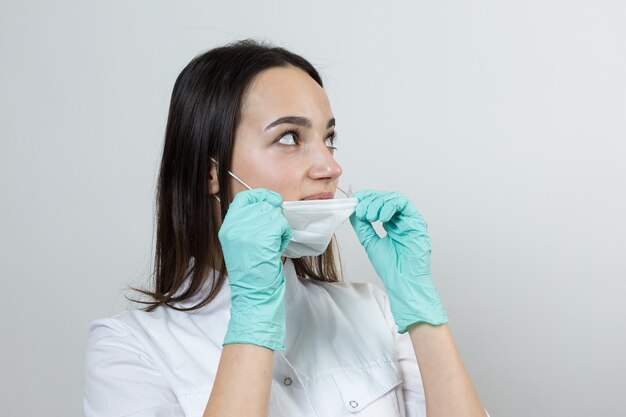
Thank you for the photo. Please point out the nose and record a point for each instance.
(324, 165)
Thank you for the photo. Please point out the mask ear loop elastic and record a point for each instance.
(236, 177)
(349, 193)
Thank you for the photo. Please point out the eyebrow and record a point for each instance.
(297, 120)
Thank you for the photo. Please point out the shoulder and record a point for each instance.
(130, 330)
(113, 344)
(138, 322)
(120, 375)
(120, 346)
(158, 335)
(118, 331)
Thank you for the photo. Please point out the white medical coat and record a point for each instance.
(343, 357)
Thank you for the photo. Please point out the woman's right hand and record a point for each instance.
(253, 235)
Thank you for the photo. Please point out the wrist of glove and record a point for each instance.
(253, 236)
(257, 315)
(401, 258)
(414, 299)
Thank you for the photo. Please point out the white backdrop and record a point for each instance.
(503, 121)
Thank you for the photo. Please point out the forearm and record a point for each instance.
(447, 385)
(243, 382)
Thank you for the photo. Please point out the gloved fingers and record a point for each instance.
(391, 207)
(360, 194)
(388, 204)
(381, 206)
(364, 231)
(408, 230)
(364, 194)
(264, 214)
(253, 214)
(246, 197)
(372, 202)
(365, 198)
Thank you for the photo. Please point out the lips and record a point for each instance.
(319, 196)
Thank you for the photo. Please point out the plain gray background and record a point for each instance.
(503, 121)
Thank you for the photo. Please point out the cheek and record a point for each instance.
(275, 172)
(282, 176)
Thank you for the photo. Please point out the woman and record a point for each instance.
(250, 131)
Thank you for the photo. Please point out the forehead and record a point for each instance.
(284, 91)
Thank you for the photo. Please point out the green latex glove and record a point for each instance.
(253, 235)
(401, 258)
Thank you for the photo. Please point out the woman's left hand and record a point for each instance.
(401, 258)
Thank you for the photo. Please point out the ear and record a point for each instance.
(214, 186)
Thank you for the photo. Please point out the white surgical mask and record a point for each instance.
(313, 222)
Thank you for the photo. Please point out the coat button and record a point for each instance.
(287, 381)
(354, 404)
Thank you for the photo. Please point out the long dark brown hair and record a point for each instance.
(204, 112)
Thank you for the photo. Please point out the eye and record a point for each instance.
(289, 133)
(330, 141)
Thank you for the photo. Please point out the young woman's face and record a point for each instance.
(266, 155)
